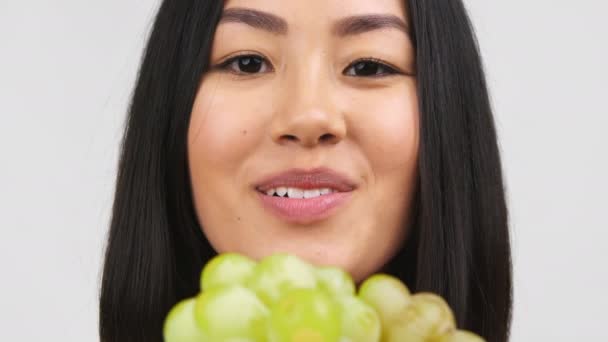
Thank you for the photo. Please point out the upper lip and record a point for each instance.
(307, 179)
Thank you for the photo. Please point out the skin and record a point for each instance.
(308, 107)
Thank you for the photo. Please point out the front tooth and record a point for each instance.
(295, 193)
(270, 192)
(325, 191)
(312, 193)
(281, 191)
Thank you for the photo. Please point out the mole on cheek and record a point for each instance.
(244, 132)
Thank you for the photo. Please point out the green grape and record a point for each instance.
(180, 325)
(280, 273)
(427, 316)
(387, 295)
(285, 299)
(460, 336)
(231, 313)
(227, 269)
(360, 322)
(335, 281)
(305, 315)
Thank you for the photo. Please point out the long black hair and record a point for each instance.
(459, 246)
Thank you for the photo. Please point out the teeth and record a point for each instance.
(312, 193)
(325, 191)
(295, 193)
(298, 193)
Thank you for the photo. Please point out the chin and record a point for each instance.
(336, 257)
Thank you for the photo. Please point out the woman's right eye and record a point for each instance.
(246, 65)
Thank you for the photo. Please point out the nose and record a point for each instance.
(307, 115)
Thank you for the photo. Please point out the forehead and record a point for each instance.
(320, 11)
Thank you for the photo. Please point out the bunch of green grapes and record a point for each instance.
(285, 299)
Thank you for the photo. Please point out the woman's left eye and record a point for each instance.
(369, 68)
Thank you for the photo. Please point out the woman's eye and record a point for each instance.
(256, 64)
(369, 68)
(246, 64)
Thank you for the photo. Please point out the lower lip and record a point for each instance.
(304, 210)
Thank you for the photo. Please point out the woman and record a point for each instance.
(359, 136)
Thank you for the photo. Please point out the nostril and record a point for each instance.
(327, 137)
(288, 138)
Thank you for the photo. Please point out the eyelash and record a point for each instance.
(388, 69)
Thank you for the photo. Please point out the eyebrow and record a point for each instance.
(257, 19)
(348, 26)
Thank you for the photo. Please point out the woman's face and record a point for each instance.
(321, 107)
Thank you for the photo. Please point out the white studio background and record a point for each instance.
(67, 68)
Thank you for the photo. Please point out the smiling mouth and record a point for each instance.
(300, 206)
(298, 193)
(305, 196)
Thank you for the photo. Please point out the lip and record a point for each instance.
(302, 179)
(306, 210)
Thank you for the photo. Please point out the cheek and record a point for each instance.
(222, 136)
(387, 129)
(222, 131)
